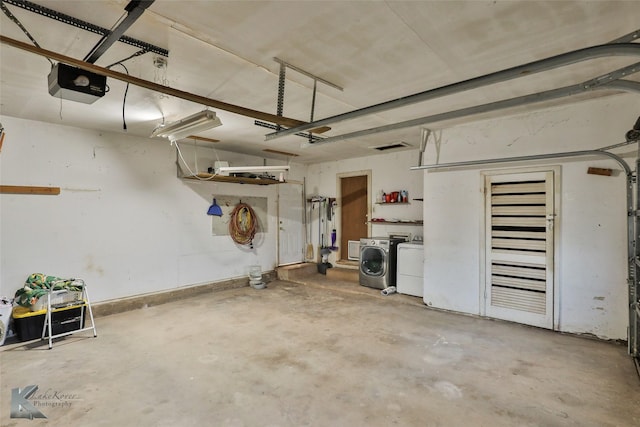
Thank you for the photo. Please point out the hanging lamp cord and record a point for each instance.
(243, 224)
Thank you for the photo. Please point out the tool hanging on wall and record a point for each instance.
(243, 224)
(214, 209)
(323, 226)
(323, 249)
(323, 219)
(1, 136)
(334, 234)
(317, 200)
(308, 256)
(310, 253)
(325, 214)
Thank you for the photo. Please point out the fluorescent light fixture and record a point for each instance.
(251, 169)
(195, 123)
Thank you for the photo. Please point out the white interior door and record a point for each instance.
(519, 247)
(290, 224)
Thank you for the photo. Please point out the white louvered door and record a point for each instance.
(519, 247)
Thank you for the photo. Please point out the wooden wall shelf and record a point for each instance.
(203, 177)
(416, 222)
(26, 189)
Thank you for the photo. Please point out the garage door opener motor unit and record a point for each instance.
(75, 84)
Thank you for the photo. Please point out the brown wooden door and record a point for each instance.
(354, 210)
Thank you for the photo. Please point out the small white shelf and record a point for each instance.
(412, 222)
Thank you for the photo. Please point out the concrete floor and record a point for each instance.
(330, 354)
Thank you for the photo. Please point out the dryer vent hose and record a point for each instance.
(388, 291)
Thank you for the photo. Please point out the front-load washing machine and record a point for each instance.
(378, 261)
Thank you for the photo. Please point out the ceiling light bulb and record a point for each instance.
(82, 81)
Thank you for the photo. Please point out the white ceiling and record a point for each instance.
(375, 50)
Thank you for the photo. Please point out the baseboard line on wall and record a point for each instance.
(121, 305)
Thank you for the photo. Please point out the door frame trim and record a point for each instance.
(338, 213)
(293, 182)
(556, 170)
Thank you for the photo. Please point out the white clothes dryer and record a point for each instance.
(410, 270)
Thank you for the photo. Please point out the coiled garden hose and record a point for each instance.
(243, 224)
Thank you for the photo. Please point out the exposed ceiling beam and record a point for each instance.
(247, 112)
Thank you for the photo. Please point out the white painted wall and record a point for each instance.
(591, 292)
(452, 211)
(123, 221)
(389, 172)
(128, 226)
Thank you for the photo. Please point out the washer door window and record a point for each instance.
(372, 261)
